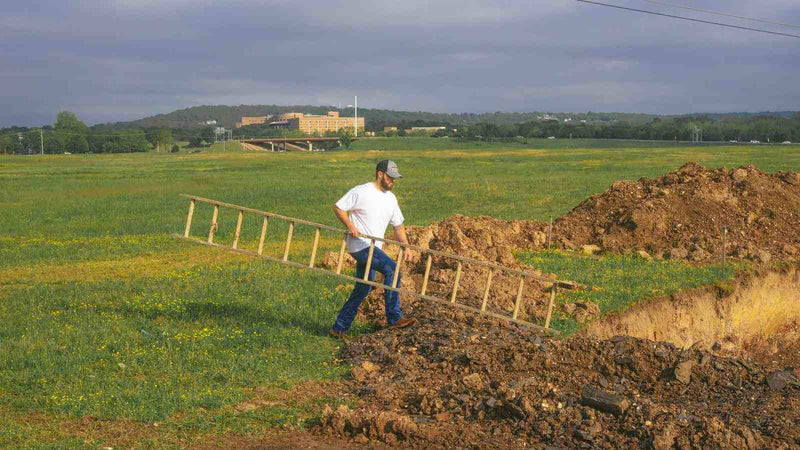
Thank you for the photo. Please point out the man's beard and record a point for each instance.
(386, 185)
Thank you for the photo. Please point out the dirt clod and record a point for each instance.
(683, 371)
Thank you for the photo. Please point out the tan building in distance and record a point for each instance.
(252, 121)
(389, 129)
(317, 124)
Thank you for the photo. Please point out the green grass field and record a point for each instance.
(108, 317)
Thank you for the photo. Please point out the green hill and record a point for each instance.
(376, 119)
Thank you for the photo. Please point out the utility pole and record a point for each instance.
(355, 118)
(41, 140)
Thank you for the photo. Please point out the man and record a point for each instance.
(367, 209)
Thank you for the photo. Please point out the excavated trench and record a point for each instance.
(756, 315)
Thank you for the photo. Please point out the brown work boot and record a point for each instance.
(339, 335)
(404, 322)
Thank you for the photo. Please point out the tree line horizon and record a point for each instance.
(70, 135)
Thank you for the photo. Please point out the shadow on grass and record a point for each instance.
(245, 315)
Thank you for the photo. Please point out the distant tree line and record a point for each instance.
(70, 135)
(763, 128)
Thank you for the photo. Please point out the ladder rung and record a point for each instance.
(263, 235)
(369, 259)
(550, 305)
(213, 225)
(455, 285)
(238, 229)
(189, 218)
(288, 242)
(341, 255)
(519, 298)
(427, 272)
(486, 292)
(314, 248)
(398, 267)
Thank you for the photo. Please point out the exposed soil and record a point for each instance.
(468, 381)
(458, 379)
(756, 316)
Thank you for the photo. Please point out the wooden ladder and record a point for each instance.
(318, 227)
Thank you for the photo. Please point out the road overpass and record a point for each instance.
(290, 144)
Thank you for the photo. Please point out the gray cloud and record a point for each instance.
(125, 59)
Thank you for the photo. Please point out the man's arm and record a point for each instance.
(400, 235)
(342, 216)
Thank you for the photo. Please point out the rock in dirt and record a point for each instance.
(665, 439)
(678, 253)
(604, 401)
(370, 367)
(473, 382)
(331, 260)
(683, 371)
(778, 380)
(590, 249)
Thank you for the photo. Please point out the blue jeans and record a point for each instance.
(383, 264)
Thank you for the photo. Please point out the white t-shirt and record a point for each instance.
(370, 210)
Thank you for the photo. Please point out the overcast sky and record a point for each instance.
(118, 60)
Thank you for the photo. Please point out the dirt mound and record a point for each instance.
(468, 381)
(682, 214)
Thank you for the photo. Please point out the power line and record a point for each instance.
(721, 14)
(690, 19)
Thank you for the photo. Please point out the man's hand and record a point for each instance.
(342, 216)
(400, 235)
(352, 230)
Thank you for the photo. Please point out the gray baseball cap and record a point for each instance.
(388, 167)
